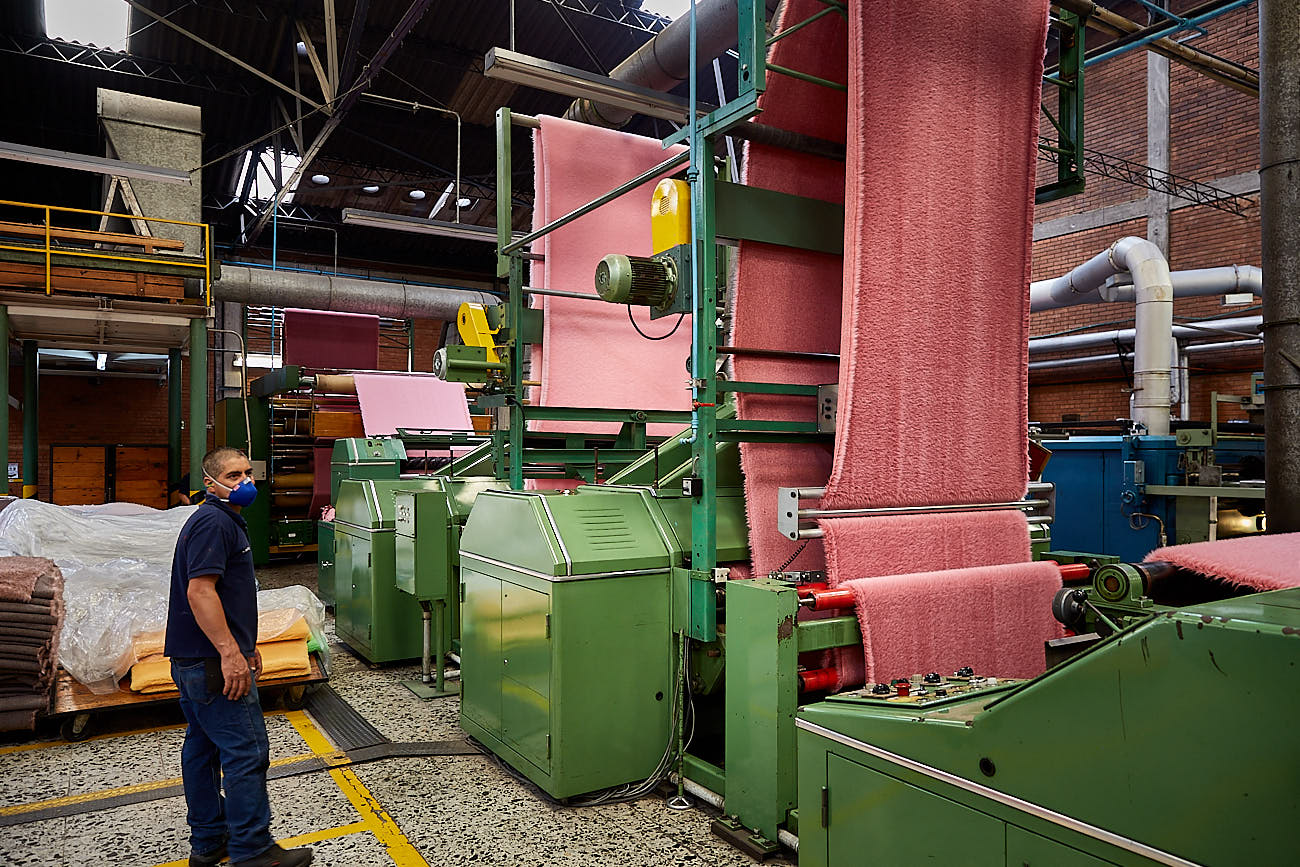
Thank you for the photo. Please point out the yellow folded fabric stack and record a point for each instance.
(282, 637)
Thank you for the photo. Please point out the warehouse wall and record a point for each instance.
(1213, 138)
(112, 410)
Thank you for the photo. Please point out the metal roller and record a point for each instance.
(336, 383)
(292, 481)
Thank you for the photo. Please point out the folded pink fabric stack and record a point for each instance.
(1257, 562)
(31, 617)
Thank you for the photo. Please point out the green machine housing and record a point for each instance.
(377, 458)
(567, 650)
(1171, 742)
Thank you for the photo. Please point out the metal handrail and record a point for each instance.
(205, 266)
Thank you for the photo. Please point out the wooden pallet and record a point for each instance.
(73, 697)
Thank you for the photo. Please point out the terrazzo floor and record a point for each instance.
(454, 810)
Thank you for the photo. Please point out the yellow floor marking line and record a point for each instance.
(103, 794)
(371, 811)
(42, 745)
(300, 840)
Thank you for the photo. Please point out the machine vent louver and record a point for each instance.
(605, 529)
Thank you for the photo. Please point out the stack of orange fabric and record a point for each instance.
(282, 637)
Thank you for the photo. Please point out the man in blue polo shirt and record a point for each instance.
(212, 642)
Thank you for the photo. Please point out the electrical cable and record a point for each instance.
(647, 336)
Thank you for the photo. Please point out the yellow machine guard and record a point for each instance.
(471, 322)
(670, 215)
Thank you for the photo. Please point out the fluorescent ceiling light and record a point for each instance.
(320, 179)
(416, 195)
(401, 223)
(86, 163)
(506, 65)
(89, 22)
(370, 189)
(101, 360)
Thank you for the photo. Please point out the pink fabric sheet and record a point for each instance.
(389, 402)
(940, 179)
(590, 355)
(1258, 562)
(992, 618)
(929, 312)
(331, 341)
(790, 299)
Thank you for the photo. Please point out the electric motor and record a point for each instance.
(651, 282)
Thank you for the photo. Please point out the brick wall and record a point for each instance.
(1213, 135)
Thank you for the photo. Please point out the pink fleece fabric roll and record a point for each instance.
(992, 618)
(392, 401)
(1258, 562)
(590, 355)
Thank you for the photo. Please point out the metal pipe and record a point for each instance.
(174, 419)
(31, 417)
(426, 641)
(1080, 361)
(1279, 186)
(198, 399)
(1237, 325)
(664, 62)
(1194, 283)
(344, 294)
(4, 381)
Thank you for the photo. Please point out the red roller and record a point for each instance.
(828, 599)
(1074, 571)
(808, 589)
(818, 680)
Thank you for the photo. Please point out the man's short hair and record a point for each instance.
(214, 459)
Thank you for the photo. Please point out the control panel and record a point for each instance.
(926, 689)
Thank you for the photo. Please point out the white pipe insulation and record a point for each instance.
(1198, 282)
(1154, 321)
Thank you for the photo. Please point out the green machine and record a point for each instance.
(1170, 742)
(569, 666)
(377, 458)
(375, 618)
(278, 422)
(429, 522)
(580, 609)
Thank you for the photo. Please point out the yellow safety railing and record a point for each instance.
(47, 210)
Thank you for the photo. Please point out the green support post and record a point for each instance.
(31, 417)
(510, 267)
(174, 417)
(198, 399)
(704, 353)
(4, 378)
(762, 695)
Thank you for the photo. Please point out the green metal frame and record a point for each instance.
(765, 796)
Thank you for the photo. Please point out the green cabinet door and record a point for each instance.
(526, 668)
(343, 614)
(1026, 849)
(876, 819)
(480, 656)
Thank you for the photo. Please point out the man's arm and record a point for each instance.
(211, 617)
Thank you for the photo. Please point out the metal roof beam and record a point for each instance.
(135, 4)
(121, 63)
(403, 27)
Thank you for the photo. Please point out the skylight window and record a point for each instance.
(101, 23)
(667, 8)
(262, 164)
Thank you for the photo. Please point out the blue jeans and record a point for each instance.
(227, 738)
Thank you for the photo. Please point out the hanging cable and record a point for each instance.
(647, 336)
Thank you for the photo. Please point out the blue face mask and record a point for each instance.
(242, 494)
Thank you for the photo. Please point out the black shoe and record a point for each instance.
(209, 860)
(279, 857)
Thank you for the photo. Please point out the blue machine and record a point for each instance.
(1116, 494)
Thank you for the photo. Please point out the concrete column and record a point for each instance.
(174, 420)
(198, 399)
(1279, 201)
(1158, 204)
(31, 418)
